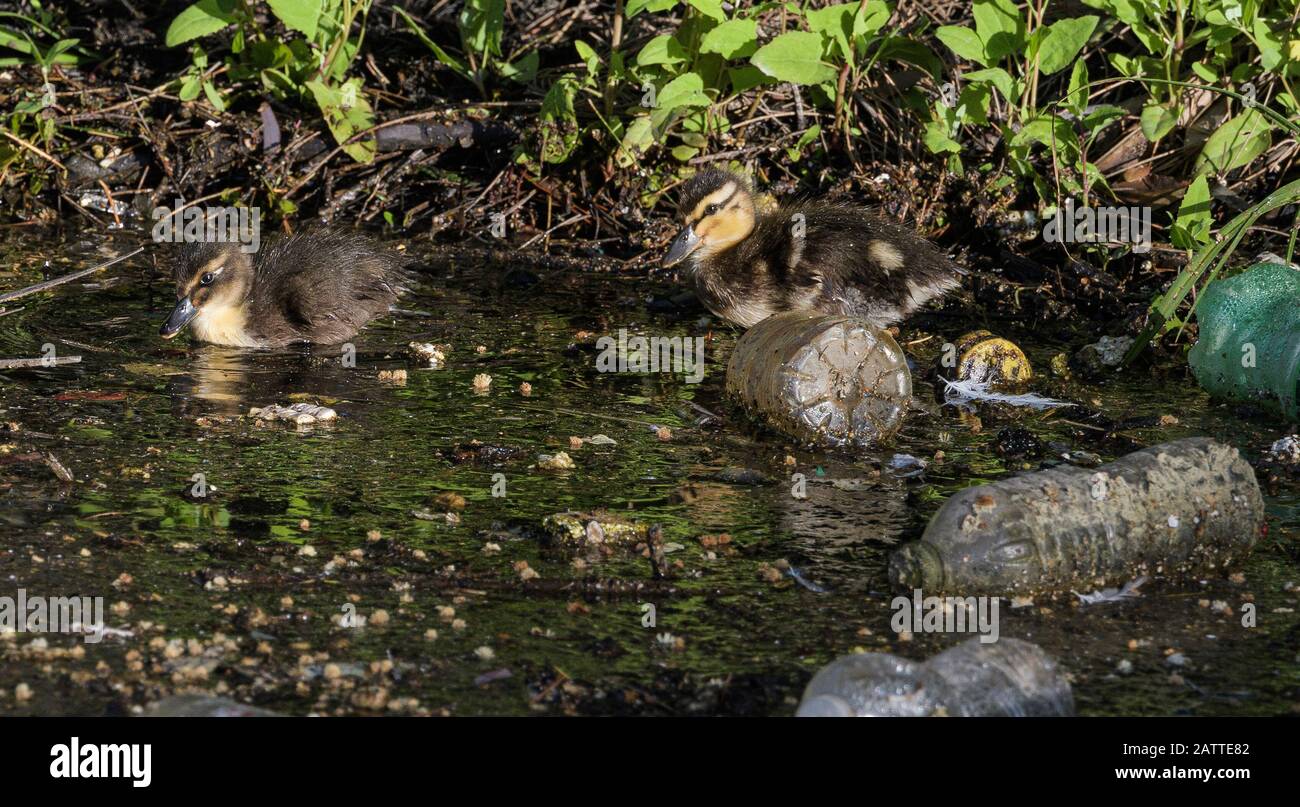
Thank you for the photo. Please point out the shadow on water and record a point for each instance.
(299, 528)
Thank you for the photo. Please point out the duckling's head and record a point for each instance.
(211, 279)
(717, 209)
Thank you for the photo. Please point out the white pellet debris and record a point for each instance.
(301, 414)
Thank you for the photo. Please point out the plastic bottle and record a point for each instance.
(1249, 343)
(831, 380)
(1008, 678)
(1178, 509)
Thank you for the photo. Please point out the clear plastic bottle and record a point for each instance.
(1007, 678)
(1249, 343)
(831, 380)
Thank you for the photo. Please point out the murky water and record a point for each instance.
(303, 527)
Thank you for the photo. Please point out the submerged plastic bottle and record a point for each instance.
(832, 380)
(1008, 678)
(1180, 509)
(1249, 343)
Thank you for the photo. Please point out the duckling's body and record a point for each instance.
(749, 262)
(318, 286)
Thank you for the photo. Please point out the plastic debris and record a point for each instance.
(1176, 510)
(1008, 678)
(1247, 348)
(831, 380)
(301, 414)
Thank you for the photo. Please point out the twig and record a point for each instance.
(59, 281)
(19, 364)
(33, 149)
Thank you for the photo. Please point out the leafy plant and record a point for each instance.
(310, 65)
(479, 24)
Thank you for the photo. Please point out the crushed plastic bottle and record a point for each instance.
(1249, 343)
(832, 380)
(1008, 678)
(1179, 509)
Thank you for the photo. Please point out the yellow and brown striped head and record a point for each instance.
(717, 209)
(209, 277)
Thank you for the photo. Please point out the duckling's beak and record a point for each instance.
(684, 244)
(179, 318)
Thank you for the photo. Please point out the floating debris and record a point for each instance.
(832, 380)
(1128, 591)
(1286, 450)
(577, 530)
(798, 577)
(559, 461)
(1064, 527)
(301, 414)
(1007, 678)
(998, 364)
(961, 392)
(431, 354)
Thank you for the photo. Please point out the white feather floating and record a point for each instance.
(960, 392)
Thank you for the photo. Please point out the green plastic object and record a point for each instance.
(1249, 344)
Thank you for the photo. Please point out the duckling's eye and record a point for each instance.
(710, 210)
(207, 279)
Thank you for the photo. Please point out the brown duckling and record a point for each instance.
(318, 286)
(751, 261)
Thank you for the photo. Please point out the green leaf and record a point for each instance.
(191, 86)
(1000, 28)
(937, 139)
(1157, 121)
(635, 7)
(589, 57)
(438, 52)
(807, 137)
(1192, 226)
(345, 120)
(962, 41)
(214, 97)
(300, 15)
(558, 125)
(480, 24)
(1076, 94)
(998, 78)
(203, 18)
(1236, 143)
(638, 138)
(709, 8)
(795, 57)
(663, 49)
(685, 91)
(1204, 72)
(733, 39)
(1062, 43)
(522, 70)
(837, 23)
(746, 77)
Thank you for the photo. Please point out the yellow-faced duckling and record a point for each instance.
(318, 286)
(750, 261)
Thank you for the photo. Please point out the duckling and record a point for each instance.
(750, 261)
(318, 286)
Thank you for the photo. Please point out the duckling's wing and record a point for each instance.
(873, 265)
(326, 285)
